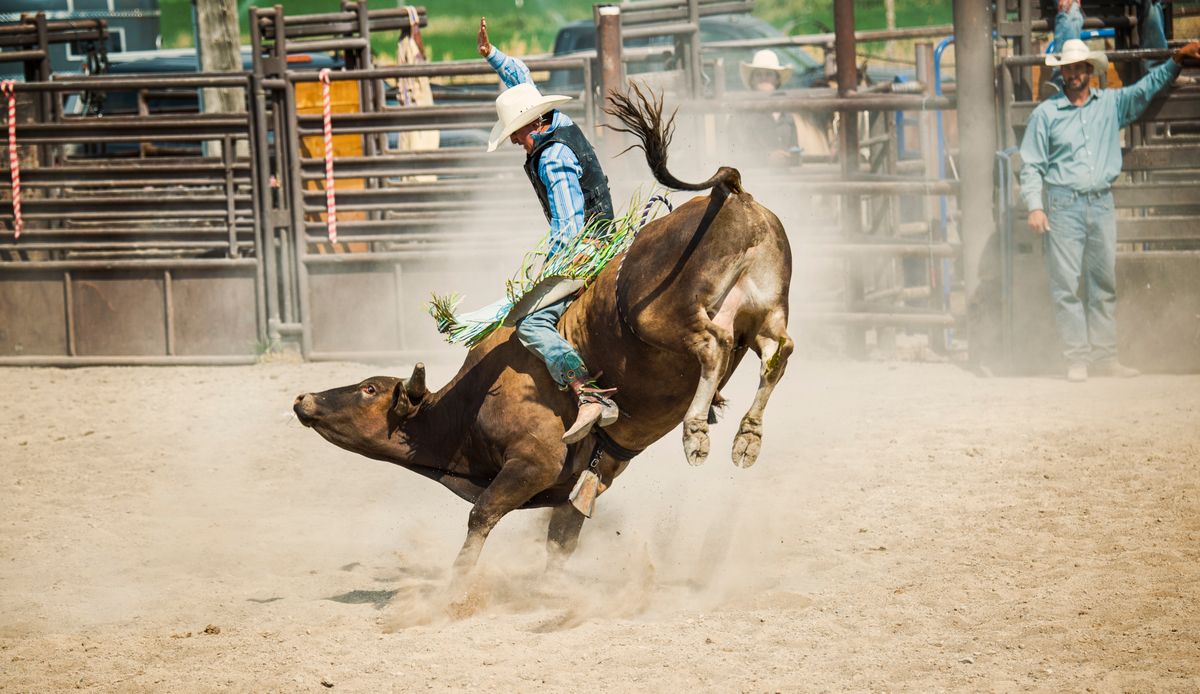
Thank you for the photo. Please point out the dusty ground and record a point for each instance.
(909, 527)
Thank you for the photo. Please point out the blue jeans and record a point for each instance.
(539, 333)
(1082, 241)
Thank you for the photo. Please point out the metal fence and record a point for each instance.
(139, 248)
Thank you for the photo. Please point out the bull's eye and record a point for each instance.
(369, 389)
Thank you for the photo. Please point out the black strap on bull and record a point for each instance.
(589, 486)
(606, 444)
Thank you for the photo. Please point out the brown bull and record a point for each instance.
(667, 324)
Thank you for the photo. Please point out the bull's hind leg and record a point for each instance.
(562, 535)
(773, 347)
(711, 344)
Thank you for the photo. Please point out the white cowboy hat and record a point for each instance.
(519, 106)
(1076, 51)
(765, 60)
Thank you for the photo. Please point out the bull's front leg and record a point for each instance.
(524, 474)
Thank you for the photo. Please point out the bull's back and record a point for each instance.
(632, 323)
(681, 267)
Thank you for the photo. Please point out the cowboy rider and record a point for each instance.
(565, 173)
(1072, 145)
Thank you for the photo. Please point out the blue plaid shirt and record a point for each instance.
(558, 166)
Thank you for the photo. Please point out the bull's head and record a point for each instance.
(364, 415)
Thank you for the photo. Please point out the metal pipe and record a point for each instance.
(826, 39)
(69, 311)
(115, 360)
(136, 81)
(128, 264)
(452, 68)
(976, 107)
(862, 102)
(851, 205)
(1114, 56)
(169, 311)
(612, 66)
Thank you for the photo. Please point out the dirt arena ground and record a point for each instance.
(909, 527)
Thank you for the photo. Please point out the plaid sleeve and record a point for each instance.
(511, 70)
(560, 172)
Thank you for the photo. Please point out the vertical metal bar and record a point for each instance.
(367, 88)
(696, 71)
(169, 311)
(851, 204)
(975, 78)
(927, 135)
(286, 279)
(69, 305)
(589, 97)
(281, 227)
(230, 195)
(261, 177)
(299, 238)
(45, 102)
(1025, 44)
(609, 52)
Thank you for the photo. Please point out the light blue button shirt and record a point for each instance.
(1079, 147)
(558, 166)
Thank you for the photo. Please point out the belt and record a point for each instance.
(1076, 194)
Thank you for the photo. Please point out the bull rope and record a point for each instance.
(14, 162)
(621, 265)
(330, 199)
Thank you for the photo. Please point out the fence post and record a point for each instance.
(928, 138)
(975, 78)
(851, 204)
(609, 53)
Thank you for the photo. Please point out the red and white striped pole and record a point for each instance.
(14, 161)
(330, 201)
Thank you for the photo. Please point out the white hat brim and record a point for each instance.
(501, 130)
(785, 72)
(1096, 58)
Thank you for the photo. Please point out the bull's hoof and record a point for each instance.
(747, 442)
(695, 440)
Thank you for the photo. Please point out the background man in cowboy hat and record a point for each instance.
(758, 133)
(1071, 154)
(566, 175)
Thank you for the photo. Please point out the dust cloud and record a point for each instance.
(880, 542)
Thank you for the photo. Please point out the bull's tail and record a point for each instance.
(643, 119)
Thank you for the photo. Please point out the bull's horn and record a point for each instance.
(415, 387)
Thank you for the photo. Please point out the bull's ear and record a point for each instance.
(415, 386)
(400, 404)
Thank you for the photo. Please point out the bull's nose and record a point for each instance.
(305, 406)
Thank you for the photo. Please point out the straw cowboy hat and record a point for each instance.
(1076, 51)
(765, 60)
(519, 106)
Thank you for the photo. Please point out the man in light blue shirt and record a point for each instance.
(1071, 154)
(573, 191)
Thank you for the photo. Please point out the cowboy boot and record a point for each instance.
(595, 406)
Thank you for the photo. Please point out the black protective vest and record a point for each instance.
(597, 202)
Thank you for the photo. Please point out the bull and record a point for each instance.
(667, 322)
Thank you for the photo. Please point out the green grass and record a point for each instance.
(530, 27)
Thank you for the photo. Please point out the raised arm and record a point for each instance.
(511, 70)
(1133, 100)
